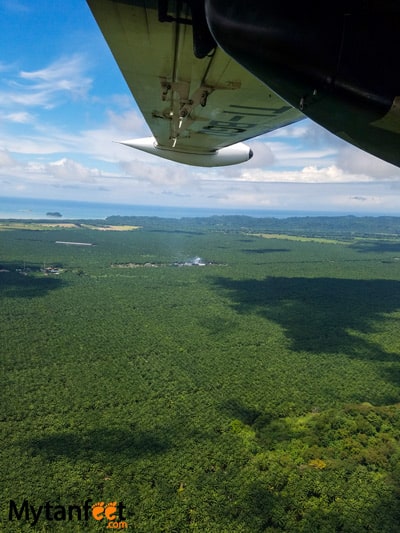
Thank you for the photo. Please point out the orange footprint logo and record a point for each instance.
(98, 510)
(101, 510)
(110, 510)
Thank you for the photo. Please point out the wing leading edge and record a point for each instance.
(198, 102)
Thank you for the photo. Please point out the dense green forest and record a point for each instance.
(258, 392)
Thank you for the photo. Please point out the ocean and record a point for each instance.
(34, 209)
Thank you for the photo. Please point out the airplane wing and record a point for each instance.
(198, 102)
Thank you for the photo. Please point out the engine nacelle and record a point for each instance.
(230, 155)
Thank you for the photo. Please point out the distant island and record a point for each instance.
(54, 214)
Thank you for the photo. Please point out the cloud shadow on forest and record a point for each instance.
(27, 284)
(190, 233)
(377, 247)
(320, 315)
(235, 409)
(15, 284)
(265, 250)
(94, 444)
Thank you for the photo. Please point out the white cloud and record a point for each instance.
(157, 174)
(293, 131)
(263, 155)
(6, 160)
(126, 123)
(15, 6)
(372, 202)
(69, 170)
(355, 161)
(4, 67)
(66, 74)
(308, 174)
(46, 138)
(249, 199)
(20, 117)
(62, 80)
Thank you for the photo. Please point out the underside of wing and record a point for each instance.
(196, 100)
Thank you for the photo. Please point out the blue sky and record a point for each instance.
(63, 102)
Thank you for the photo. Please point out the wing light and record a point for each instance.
(229, 155)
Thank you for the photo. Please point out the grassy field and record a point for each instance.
(259, 393)
(47, 226)
(299, 238)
